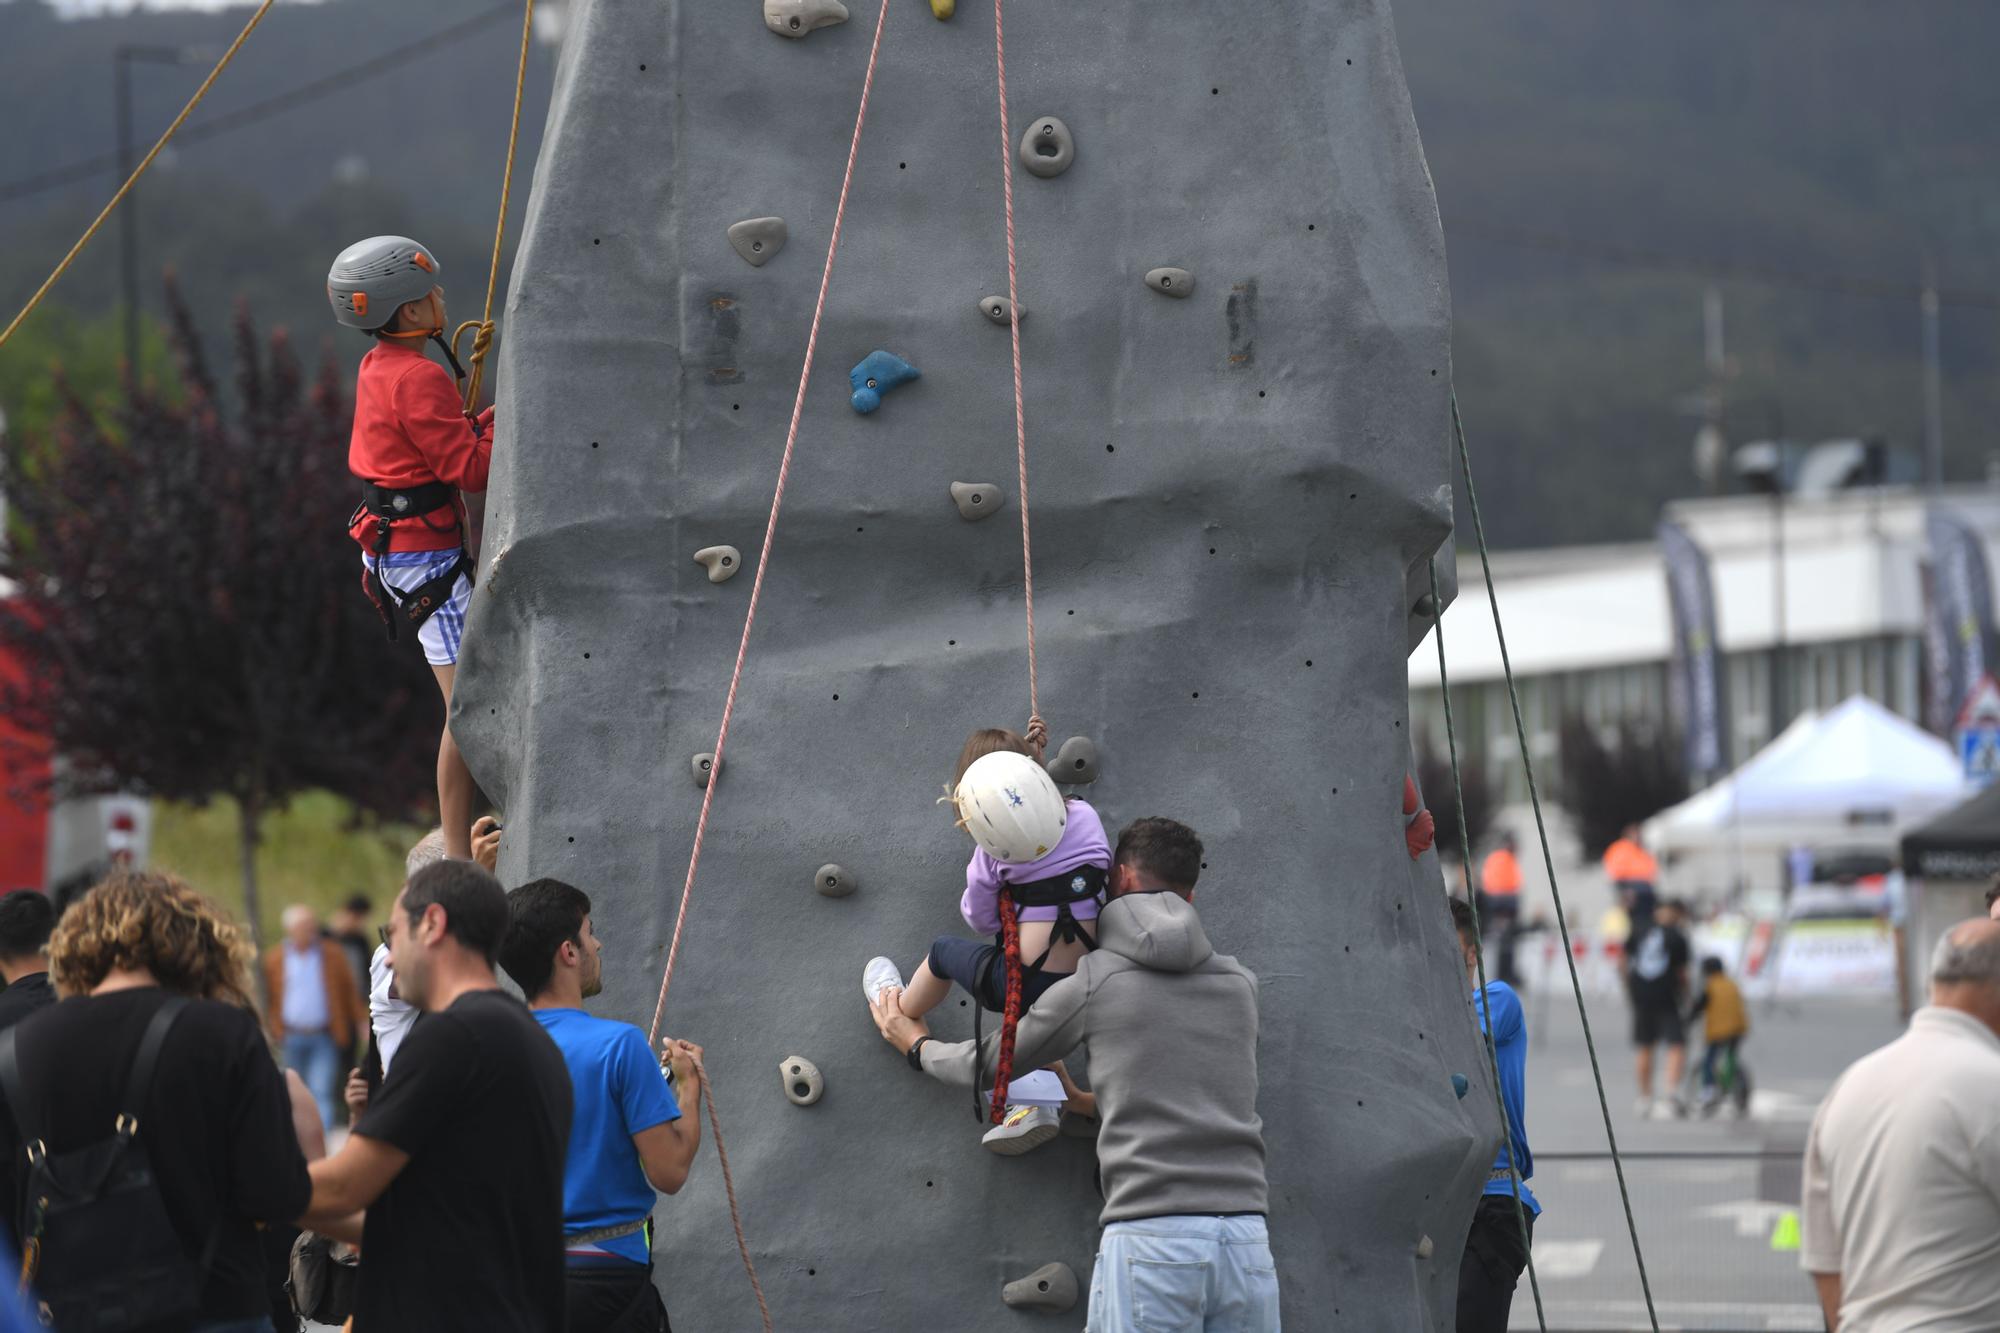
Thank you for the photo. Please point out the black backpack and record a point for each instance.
(98, 1249)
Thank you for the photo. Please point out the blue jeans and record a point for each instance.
(317, 1060)
(1194, 1274)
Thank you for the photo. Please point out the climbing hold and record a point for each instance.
(1424, 1247)
(703, 766)
(1047, 148)
(796, 18)
(1426, 606)
(1075, 763)
(976, 501)
(1171, 281)
(758, 240)
(833, 882)
(1459, 1085)
(1052, 1287)
(1000, 310)
(943, 9)
(722, 562)
(878, 373)
(803, 1085)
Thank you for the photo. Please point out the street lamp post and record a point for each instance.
(122, 58)
(1761, 467)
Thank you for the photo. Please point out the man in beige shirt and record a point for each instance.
(1901, 1214)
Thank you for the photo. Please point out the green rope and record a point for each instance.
(1548, 859)
(1479, 956)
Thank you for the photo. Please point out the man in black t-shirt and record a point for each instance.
(458, 1159)
(1656, 962)
(26, 918)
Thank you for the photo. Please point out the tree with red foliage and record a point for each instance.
(189, 607)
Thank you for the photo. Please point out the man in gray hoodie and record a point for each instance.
(1171, 1029)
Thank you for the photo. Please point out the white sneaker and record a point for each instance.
(1643, 1108)
(1023, 1129)
(878, 976)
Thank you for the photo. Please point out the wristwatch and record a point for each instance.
(916, 1054)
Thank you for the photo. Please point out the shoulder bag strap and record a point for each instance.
(10, 1085)
(140, 1081)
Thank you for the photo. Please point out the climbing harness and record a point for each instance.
(1513, 1172)
(1062, 892)
(386, 505)
(482, 340)
(1548, 858)
(91, 231)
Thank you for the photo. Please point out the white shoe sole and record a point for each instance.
(1026, 1141)
(875, 980)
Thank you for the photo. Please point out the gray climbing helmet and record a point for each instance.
(373, 279)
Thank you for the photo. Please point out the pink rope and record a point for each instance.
(770, 527)
(743, 648)
(1014, 327)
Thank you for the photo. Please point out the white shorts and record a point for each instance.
(406, 571)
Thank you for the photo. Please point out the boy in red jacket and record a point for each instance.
(414, 449)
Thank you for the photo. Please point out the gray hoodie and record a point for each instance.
(1171, 1028)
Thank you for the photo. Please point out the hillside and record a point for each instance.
(1815, 140)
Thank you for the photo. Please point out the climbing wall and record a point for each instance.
(1237, 370)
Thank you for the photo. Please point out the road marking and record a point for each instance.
(1559, 1260)
(1754, 1218)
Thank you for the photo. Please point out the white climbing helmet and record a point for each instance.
(1010, 807)
(373, 279)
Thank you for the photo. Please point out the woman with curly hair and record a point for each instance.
(217, 1120)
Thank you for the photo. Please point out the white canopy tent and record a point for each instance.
(1855, 776)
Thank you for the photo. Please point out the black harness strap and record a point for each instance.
(1061, 892)
(388, 505)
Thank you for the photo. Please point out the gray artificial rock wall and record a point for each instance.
(1233, 494)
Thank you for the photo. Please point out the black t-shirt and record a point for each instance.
(217, 1125)
(25, 996)
(468, 1238)
(1659, 958)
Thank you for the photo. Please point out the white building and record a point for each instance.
(1590, 632)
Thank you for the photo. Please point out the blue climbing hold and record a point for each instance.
(1459, 1085)
(878, 373)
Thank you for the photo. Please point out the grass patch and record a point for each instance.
(313, 852)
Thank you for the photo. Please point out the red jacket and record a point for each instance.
(409, 430)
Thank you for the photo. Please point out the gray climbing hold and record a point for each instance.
(703, 767)
(1459, 1084)
(803, 1085)
(1424, 1247)
(1426, 606)
(1052, 1287)
(796, 18)
(1171, 282)
(1047, 148)
(833, 881)
(976, 500)
(758, 240)
(1000, 310)
(722, 562)
(1075, 763)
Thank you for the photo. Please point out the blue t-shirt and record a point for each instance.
(619, 1091)
(1510, 1048)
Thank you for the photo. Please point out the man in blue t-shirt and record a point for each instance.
(627, 1136)
(1496, 1249)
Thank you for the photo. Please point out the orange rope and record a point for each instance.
(1037, 731)
(482, 340)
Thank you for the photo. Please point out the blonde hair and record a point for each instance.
(154, 922)
(987, 740)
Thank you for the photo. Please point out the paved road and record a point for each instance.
(1704, 1221)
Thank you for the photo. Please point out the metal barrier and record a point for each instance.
(1719, 1229)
